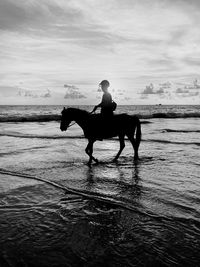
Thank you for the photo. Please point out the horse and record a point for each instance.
(98, 127)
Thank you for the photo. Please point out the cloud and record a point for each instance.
(26, 15)
(190, 94)
(71, 87)
(181, 91)
(160, 91)
(148, 90)
(27, 93)
(191, 61)
(189, 86)
(47, 94)
(168, 89)
(196, 85)
(33, 93)
(194, 94)
(188, 90)
(165, 85)
(178, 35)
(151, 90)
(45, 42)
(55, 20)
(73, 92)
(11, 91)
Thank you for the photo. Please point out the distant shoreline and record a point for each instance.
(81, 105)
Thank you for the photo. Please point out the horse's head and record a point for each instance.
(72, 114)
(65, 119)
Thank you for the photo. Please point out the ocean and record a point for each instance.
(57, 211)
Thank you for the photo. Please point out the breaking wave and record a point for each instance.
(23, 135)
(170, 115)
(31, 118)
(56, 117)
(180, 131)
(171, 142)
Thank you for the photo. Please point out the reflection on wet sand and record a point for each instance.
(124, 180)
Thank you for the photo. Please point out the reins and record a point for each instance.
(71, 124)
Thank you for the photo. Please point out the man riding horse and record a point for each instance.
(104, 125)
(107, 105)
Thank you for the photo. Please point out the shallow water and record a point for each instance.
(143, 213)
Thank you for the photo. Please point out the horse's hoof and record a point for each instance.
(96, 160)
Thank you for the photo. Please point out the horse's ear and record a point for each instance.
(63, 110)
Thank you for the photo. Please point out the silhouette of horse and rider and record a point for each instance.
(104, 125)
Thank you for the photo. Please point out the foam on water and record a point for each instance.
(128, 213)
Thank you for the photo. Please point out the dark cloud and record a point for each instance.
(16, 15)
(66, 23)
(51, 19)
(29, 15)
(73, 92)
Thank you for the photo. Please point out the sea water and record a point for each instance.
(144, 213)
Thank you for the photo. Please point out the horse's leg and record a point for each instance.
(135, 147)
(122, 145)
(89, 151)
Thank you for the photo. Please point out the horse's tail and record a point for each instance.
(138, 132)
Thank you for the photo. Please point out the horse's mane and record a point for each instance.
(78, 110)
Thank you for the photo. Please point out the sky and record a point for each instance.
(58, 51)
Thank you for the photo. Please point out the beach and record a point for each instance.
(144, 213)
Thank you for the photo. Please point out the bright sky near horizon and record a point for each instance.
(57, 51)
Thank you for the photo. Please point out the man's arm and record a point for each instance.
(96, 107)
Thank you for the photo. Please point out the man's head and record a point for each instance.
(104, 85)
